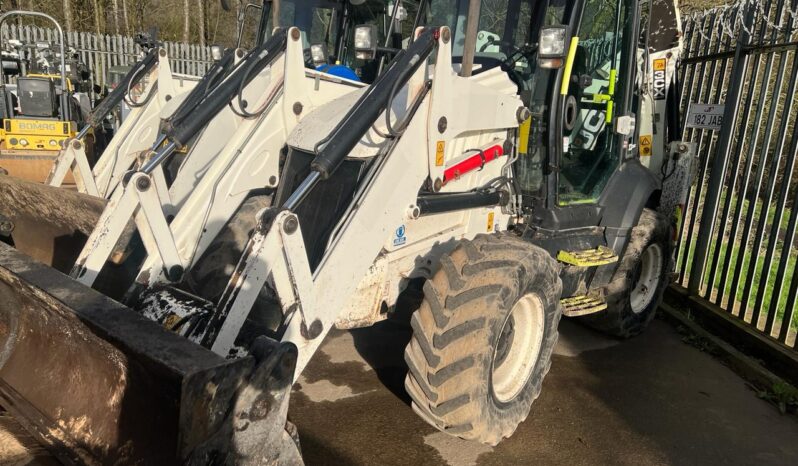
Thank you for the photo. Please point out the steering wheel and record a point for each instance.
(507, 64)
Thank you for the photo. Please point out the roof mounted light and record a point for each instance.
(365, 42)
(318, 53)
(552, 46)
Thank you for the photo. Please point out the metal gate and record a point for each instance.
(738, 239)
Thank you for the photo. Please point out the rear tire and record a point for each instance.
(636, 289)
(483, 337)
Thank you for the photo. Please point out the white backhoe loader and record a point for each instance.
(498, 159)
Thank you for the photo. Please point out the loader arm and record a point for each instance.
(312, 299)
(161, 91)
(249, 161)
(150, 194)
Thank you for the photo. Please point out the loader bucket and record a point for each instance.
(49, 224)
(99, 384)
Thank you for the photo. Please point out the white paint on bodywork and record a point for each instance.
(321, 122)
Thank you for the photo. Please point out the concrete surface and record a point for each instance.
(650, 400)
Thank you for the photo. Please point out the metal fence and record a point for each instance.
(738, 240)
(103, 51)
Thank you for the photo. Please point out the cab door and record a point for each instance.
(597, 71)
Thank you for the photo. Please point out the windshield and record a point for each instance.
(504, 25)
(316, 18)
(319, 20)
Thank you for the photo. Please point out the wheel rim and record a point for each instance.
(518, 348)
(645, 287)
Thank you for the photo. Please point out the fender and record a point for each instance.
(623, 200)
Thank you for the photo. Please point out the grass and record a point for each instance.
(744, 264)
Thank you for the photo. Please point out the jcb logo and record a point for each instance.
(593, 126)
(659, 79)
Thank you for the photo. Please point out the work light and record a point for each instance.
(318, 52)
(365, 42)
(552, 42)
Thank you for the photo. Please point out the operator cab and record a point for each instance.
(572, 63)
(328, 32)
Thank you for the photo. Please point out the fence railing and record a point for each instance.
(101, 52)
(738, 246)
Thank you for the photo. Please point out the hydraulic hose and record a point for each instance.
(140, 69)
(369, 107)
(216, 74)
(222, 94)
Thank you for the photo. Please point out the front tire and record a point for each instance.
(483, 337)
(636, 289)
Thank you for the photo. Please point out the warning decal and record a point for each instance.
(645, 146)
(439, 150)
(660, 92)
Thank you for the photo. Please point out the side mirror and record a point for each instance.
(318, 53)
(552, 47)
(366, 42)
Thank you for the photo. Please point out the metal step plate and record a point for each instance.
(582, 305)
(602, 255)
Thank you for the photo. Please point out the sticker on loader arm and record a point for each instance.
(399, 238)
(660, 85)
(645, 146)
(439, 153)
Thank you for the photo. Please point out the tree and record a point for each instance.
(116, 15)
(201, 8)
(124, 17)
(186, 23)
(68, 14)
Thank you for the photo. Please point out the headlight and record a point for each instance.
(53, 142)
(318, 52)
(23, 142)
(552, 42)
(13, 141)
(365, 42)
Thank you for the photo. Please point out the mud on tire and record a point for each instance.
(463, 331)
(620, 319)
